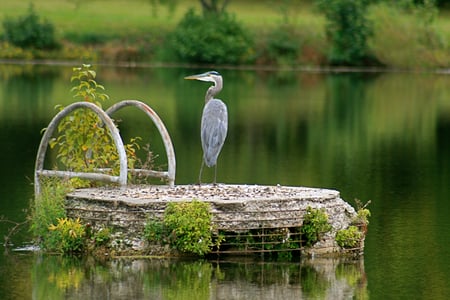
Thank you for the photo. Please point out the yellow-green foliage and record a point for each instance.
(362, 213)
(10, 51)
(362, 216)
(83, 143)
(69, 235)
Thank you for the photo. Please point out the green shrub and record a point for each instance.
(348, 30)
(29, 32)
(315, 224)
(217, 39)
(349, 238)
(186, 227)
(189, 226)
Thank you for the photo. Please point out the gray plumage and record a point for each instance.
(214, 124)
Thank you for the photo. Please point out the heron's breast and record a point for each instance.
(215, 108)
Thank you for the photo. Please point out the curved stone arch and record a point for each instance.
(104, 117)
(171, 162)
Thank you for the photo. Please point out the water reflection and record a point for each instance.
(382, 137)
(55, 277)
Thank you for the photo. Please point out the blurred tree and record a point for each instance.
(210, 39)
(214, 6)
(28, 31)
(347, 30)
(170, 5)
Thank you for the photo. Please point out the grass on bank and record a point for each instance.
(121, 18)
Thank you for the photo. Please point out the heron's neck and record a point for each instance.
(213, 90)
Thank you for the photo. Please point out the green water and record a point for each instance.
(383, 137)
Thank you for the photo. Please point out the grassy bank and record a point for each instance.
(135, 31)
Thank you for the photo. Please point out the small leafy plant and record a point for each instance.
(352, 236)
(315, 224)
(102, 236)
(154, 231)
(349, 238)
(362, 215)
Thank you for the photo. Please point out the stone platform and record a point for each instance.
(235, 208)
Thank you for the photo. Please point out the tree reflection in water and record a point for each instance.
(56, 277)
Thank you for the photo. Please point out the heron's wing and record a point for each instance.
(214, 129)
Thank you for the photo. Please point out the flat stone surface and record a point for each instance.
(142, 194)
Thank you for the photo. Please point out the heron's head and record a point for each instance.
(211, 76)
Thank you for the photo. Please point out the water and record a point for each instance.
(382, 137)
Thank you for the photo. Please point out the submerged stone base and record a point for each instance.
(235, 208)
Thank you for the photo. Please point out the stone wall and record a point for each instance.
(236, 208)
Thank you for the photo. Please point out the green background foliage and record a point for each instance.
(316, 32)
(28, 31)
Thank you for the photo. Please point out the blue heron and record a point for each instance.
(214, 123)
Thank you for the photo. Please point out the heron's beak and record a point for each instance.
(191, 77)
(202, 77)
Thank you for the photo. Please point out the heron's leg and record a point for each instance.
(215, 174)
(200, 175)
